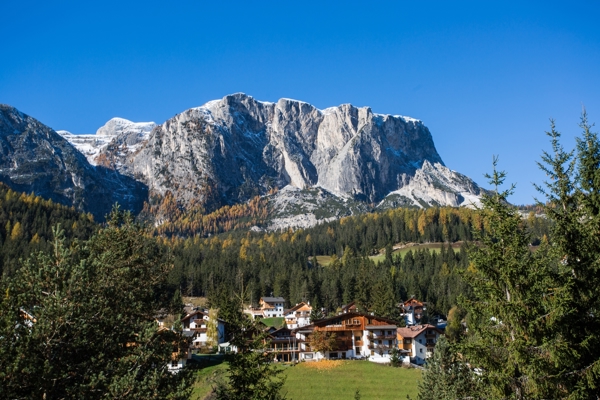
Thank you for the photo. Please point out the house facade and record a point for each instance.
(357, 335)
(418, 342)
(298, 316)
(196, 323)
(413, 309)
(268, 307)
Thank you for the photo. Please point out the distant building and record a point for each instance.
(413, 309)
(298, 316)
(195, 326)
(418, 341)
(268, 307)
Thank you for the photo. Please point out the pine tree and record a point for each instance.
(251, 374)
(79, 323)
(507, 330)
(447, 377)
(573, 204)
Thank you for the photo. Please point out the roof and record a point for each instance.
(413, 301)
(381, 327)
(347, 315)
(196, 313)
(273, 299)
(416, 330)
(298, 306)
(190, 315)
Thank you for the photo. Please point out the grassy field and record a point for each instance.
(276, 322)
(331, 380)
(334, 380)
(325, 260)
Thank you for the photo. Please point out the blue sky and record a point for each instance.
(485, 78)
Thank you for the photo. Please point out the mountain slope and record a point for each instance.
(34, 158)
(232, 149)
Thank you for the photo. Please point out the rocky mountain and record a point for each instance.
(119, 134)
(311, 165)
(34, 158)
(231, 149)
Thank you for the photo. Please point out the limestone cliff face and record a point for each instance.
(34, 158)
(238, 147)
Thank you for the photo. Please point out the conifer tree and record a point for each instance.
(507, 329)
(79, 323)
(447, 377)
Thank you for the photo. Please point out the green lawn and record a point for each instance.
(276, 322)
(331, 381)
(373, 380)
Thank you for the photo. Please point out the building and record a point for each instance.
(418, 341)
(357, 335)
(268, 307)
(413, 309)
(284, 345)
(196, 323)
(298, 316)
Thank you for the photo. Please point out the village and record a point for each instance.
(297, 334)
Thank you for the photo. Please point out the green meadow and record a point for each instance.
(331, 380)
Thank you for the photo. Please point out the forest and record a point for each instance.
(284, 263)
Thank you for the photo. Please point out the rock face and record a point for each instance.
(118, 137)
(34, 158)
(333, 162)
(237, 147)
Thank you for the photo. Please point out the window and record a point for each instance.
(174, 363)
(407, 341)
(420, 350)
(333, 355)
(356, 350)
(420, 341)
(308, 356)
(389, 332)
(357, 338)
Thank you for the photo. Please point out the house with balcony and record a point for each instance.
(284, 345)
(418, 342)
(357, 335)
(298, 316)
(196, 323)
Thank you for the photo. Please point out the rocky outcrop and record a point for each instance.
(238, 147)
(34, 158)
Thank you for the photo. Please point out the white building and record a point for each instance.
(418, 341)
(298, 316)
(269, 307)
(196, 322)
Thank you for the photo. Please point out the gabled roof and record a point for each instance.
(297, 307)
(198, 312)
(273, 299)
(190, 315)
(413, 302)
(348, 307)
(416, 330)
(346, 316)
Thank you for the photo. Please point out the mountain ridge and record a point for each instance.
(230, 150)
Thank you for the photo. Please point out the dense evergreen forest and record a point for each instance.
(284, 263)
(26, 223)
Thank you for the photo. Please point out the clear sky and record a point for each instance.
(484, 78)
